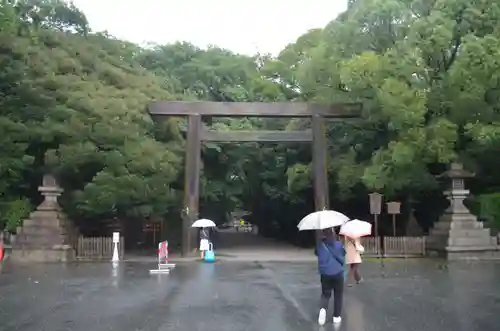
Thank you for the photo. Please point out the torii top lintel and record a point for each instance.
(253, 109)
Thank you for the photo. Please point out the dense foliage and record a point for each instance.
(72, 102)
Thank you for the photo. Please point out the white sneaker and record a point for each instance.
(322, 316)
(337, 319)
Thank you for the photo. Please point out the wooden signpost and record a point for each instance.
(376, 210)
(394, 209)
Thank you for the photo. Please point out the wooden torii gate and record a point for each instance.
(196, 134)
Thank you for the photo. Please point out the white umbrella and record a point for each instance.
(323, 219)
(203, 223)
(356, 229)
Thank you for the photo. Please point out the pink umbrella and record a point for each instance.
(356, 229)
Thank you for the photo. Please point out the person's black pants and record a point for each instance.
(336, 284)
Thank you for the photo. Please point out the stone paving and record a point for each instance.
(234, 246)
(402, 295)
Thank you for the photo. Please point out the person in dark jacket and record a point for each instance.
(331, 259)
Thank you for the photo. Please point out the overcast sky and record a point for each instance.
(247, 27)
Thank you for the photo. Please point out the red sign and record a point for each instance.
(163, 252)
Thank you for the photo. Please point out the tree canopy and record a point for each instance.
(73, 102)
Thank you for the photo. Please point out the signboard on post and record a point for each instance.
(375, 210)
(116, 241)
(116, 237)
(394, 208)
(375, 203)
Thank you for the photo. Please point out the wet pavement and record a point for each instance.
(404, 295)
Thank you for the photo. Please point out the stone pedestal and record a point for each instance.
(47, 235)
(458, 235)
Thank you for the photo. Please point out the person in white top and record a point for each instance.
(354, 249)
(204, 241)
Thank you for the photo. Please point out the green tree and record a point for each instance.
(74, 104)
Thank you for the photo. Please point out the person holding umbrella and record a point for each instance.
(204, 241)
(204, 224)
(354, 249)
(353, 231)
(331, 259)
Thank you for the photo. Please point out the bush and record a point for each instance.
(13, 213)
(489, 208)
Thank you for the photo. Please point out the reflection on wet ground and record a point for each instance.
(405, 295)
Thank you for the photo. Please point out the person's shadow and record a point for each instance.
(355, 314)
(329, 327)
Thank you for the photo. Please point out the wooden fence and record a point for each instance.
(371, 246)
(394, 246)
(97, 248)
(404, 246)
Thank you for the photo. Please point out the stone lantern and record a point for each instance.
(47, 235)
(50, 190)
(457, 192)
(458, 234)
